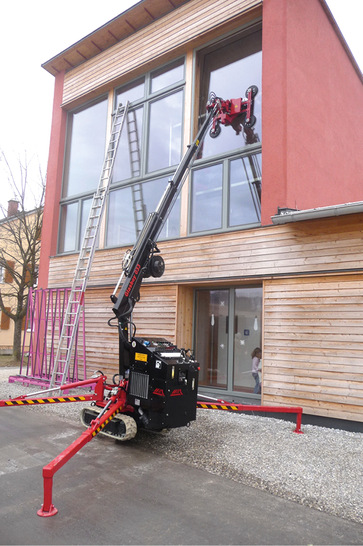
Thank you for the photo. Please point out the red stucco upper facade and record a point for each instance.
(312, 113)
(312, 119)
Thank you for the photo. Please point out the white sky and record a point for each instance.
(33, 31)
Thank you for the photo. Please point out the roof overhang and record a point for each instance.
(286, 216)
(130, 21)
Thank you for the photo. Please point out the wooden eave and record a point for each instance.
(119, 28)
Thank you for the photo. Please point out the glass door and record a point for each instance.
(211, 348)
(227, 330)
(247, 335)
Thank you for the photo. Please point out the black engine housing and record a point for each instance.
(163, 384)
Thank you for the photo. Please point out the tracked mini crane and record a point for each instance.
(162, 380)
(156, 386)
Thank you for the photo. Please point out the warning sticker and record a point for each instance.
(141, 356)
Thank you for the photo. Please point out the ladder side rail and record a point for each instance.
(100, 194)
(135, 167)
(131, 120)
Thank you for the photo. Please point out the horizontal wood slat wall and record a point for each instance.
(313, 336)
(313, 345)
(155, 316)
(333, 245)
(192, 21)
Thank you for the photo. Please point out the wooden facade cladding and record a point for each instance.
(155, 317)
(312, 275)
(317, 247)
(180, 30)
(313, 345)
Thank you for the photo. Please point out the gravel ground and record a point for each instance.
(322, 468)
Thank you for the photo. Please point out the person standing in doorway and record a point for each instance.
(256, 367)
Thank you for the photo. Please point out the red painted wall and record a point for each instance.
(312, 115)
(54, 183)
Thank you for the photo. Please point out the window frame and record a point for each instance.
(225, 159)
(79, 197)
(228, 156)
(67, 149)
(145, 102)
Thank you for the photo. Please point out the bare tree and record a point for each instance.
(20, 232)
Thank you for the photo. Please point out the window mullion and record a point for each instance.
(225, 194)
(231, 327)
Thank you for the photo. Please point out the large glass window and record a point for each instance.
(152, 139)
(228, 327)
(167, 76)
(165, 132)
(85, 152)
(226, 179)
(226, 194)
(244, 200)
(148, 153)
(68, 227)
(228, 69)
(149, 150)
(207, 198)
(74, 217)
(128, 202)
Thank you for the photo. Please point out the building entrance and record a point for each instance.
(228, 329)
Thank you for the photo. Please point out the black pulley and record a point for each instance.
(156, 267)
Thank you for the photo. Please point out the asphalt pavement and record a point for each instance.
(115, 493)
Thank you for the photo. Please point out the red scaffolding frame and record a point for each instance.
(43, 325)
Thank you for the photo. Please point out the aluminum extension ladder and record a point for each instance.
(136, 189)
(85, 258)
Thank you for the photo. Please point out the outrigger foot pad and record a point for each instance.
(47, 513)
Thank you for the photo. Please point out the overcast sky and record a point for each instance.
(33, 31)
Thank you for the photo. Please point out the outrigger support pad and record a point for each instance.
(46, 514)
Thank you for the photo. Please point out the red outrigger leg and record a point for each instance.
(116, 404)
(28, 400)
(228, 406)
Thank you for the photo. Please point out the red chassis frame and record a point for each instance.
(115, 403)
